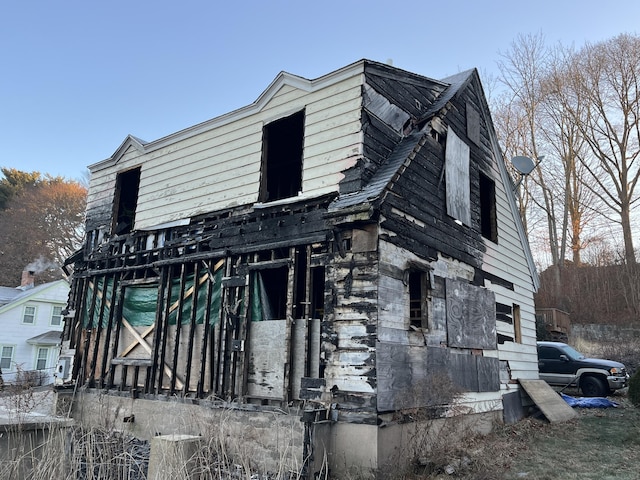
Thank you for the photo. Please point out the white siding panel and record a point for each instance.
(507, 260)
(221, 168)
(216, 168)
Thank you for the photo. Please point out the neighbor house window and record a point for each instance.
(125, 201)
(6, 357)
(29, 315)
(41, 360)
(282, 158)
(418, 290)
(488, 216)
(56, 316)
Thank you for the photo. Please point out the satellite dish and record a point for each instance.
(524, 165)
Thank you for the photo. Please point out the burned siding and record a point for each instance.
(196, 334)
(412, 93)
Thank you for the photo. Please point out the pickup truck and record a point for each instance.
(561, 365)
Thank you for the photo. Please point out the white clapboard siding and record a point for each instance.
(217, 165)
(508, 259)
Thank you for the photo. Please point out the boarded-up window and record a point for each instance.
(282, 158)
(125, 201)
(457, 178)
(471, 316)
(473, 124)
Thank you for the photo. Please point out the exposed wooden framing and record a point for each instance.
(165, 326)
(176, 343)
(243, 335)
(192, 324)
(87, 331)
(290, 316)
(223, 354)
(116, 337)
(76, 331)
(105, 355)
(206, 332)
(140, 339)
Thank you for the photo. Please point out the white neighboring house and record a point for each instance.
(31, 322)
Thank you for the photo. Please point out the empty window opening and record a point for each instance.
(270, 294)
(282, 158)
(418, 287)
(317, 292)
(488, 216)
(126, 200)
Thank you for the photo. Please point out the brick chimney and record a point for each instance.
(28, 279)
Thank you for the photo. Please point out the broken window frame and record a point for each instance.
(418, 288)
(282, 158)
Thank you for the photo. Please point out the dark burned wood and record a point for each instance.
(473, 124)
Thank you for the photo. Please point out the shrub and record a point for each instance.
(634, 389)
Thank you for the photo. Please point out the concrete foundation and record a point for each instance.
(263, 440)
(174, 456)
(272, 441)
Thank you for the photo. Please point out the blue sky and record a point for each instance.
(76, 77)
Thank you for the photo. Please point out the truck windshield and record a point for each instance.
(572, 353)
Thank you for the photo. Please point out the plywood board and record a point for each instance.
(471, 316)
(267, 358)
(550, 403)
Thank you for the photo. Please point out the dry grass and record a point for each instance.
(600, 444)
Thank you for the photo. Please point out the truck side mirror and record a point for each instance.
(564, 358)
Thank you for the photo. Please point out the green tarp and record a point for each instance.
(140, 302)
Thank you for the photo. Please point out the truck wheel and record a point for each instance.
(593, 387)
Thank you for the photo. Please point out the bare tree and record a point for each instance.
(605, 83)
(523, 70)
(567, 146)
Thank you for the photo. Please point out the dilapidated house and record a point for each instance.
(336, 243)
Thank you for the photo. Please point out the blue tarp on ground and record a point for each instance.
(589, 402)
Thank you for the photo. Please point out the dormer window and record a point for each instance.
(281, 169)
